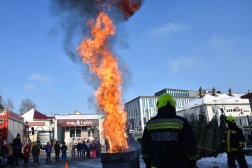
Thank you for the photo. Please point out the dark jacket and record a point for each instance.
(57, 148)
(233, 138)
(250, 137)
(78, 146)
(93, 147)
(17, 147)
(168, 140)
(35, 150)
(64, 149)
(5, 151)
(88, 146)
(83, 146)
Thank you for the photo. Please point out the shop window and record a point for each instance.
(67, 128)
(72, 131)
(78, 131)
(89, 131)
(84, 128)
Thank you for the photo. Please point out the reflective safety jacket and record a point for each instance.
(168, 141)
(233, 138)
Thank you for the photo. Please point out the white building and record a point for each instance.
(143, 108)
(230, 103)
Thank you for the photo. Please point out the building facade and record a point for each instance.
(40, 122)
(141, 109)
(216, 103)
(71, 128)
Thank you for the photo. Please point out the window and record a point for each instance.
(151, 103)
(89, 131)
(78, 131)
(84, 128)
(67, 128)
(138, 103)
(176, 100)
(143, 103)
(144, 120)
(72, 131)
(183, 102)
(153, 111)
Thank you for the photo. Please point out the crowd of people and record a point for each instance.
(83, 151)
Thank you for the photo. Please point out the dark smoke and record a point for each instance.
(73, 16)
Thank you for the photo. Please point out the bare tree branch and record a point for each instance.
(8, 104)
(26, 105)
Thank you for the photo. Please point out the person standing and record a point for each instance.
(250, 136)
(98, 150)
(88, 150)
(57, 151)
(27, 150)
(83, 146)
(5, 153)
(35, 153)
(40, 147)
(48, 150)
(79, 149)
(17, 147)
(64, 151)
(234, 141)
(73, 151)
(168, 140)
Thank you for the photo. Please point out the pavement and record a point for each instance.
(72, 163)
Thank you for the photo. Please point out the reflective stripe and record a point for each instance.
(240, 142)
(145, 155)
(223, 141)
(171, 125)
(234, 149)
(226, 132)
(233, 132)
(153, 167)
(228, 141)
(163, 120)
(192, 157)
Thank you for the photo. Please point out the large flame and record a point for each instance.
(95, 52)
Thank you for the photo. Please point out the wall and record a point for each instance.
(67, 137)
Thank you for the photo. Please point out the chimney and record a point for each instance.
(249, 91)
(230, 92)
(214, 92)
(201, 92)
(52, 114)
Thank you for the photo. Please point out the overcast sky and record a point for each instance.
(170, 44)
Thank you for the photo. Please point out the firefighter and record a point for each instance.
(168, 140)
(234, 141)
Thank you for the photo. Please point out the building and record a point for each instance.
(143, 108)
(74, 127)
(40, 122)
(230, 104)
(181, 97)
(248, 96)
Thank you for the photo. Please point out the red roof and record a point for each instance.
(40, 116)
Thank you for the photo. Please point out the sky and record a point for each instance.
(170, 44)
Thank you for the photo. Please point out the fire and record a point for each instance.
(95, 52)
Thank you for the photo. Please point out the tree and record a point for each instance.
(1, 103)
(208, 139)
(216, 137)
(8, 104)
(222, 126)
(201, 127)
(26, 105)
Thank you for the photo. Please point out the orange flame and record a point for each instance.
(96, 53)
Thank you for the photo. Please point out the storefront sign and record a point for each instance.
(36, 123)
(69, 123)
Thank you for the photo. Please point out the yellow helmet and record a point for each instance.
(164, 99)
(231, 119)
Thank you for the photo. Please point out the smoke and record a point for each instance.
(73, 16)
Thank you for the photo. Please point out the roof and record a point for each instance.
(209, 99)
(39, 116)
(246, 96)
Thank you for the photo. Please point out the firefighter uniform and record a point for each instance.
(234, 141)
(168, 140)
